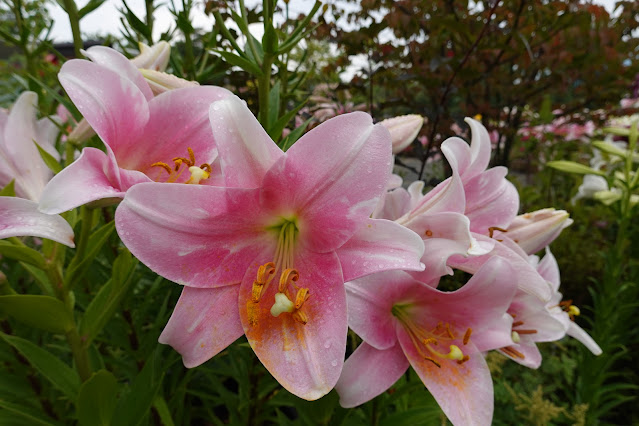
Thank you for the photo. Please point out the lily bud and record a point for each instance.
(161, 82)
(403, 130)
(154, 57)
(534, 231)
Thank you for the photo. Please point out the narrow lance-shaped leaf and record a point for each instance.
(57, 372)
(97, 399)
(48, 159)
(43, 312)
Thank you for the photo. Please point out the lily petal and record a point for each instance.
(464, 392)
(246, 151)
(117, 62)
(175, 129)
(368, 372)
(20, 217)
(204, 322)
(380, 245)
(93, 176)
(346, 184)
(31, 173)
(208, 244)
(491, 200)
(370, 301)
(526, 277)
(113, 105)
(306, 358)
(578, 333)
(445, 234)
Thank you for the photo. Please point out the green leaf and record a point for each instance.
(136, 23)
(237, 61)
(9, 190)
(97, 399)
(163, 411)
(572, 167)
(62, 100)
(292, 137)
(48, 159)
(22, 254)
(296, 35)
(25, 413)
(43, 312)
(57, 372)
(276, 131)
(79, 267)
(108, 299)
(135, 404)
(89, 7)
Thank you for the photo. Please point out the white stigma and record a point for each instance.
(282, 304)
(197, 174)
(515, 337)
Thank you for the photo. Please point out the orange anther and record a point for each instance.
(163, 165)
(430, 341)
(493, 229)
(463, 360)
(301, 297)
(300, 317)
(288, 276)
(467, 336)
(517, 323)
(526, 331)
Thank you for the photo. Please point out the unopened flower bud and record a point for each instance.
(161, 82)
(403, 130)
(534, 231)
(154, 57)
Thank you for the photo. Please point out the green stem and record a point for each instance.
(74, 20)
(264, 88)
(80, 354)
(78, 350)
(150, 8)
(5, 287)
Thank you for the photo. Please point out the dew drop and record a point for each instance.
(334, 363)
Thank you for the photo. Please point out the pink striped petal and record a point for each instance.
(526, 277)
(179, 119)
(370, 301)
(491, 201)
(246, 151)
(306, 359)
(464, 392)
(113, 105)
(196, 235)
(368, 372)
(118, 63)
(380, 245)
(93, 176)
(20, 217)
(204, 322)
(445, 234)
(333, 177)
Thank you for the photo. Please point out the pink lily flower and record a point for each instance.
(525, 276)
(267, 255)
(563, 311)
(532, 323)
(165, 138)
(21, 162)
(438, 217)
(491, 201)
(440, 334)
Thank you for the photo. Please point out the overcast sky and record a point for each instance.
(106, 19)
